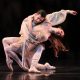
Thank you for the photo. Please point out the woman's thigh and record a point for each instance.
(10, 40)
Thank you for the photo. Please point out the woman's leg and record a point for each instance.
(10, 47)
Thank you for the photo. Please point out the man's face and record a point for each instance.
(38, 18)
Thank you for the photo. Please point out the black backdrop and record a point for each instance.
(12, 12)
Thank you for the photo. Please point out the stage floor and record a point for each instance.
(61, 73)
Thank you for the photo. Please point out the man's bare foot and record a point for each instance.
(48, 66)
(24, 68)
(34, 70)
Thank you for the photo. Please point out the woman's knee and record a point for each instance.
(4, 40)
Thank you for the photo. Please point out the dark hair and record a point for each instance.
(42, 13)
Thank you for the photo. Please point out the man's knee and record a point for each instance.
(41, 47)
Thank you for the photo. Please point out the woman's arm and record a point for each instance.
(59, 17)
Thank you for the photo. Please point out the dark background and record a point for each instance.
(12, 12)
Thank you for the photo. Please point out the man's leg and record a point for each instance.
(35, 59)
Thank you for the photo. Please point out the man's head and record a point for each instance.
(39, 16)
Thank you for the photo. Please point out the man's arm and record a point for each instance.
(26, 26)
(24, 31)
(59, 17)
